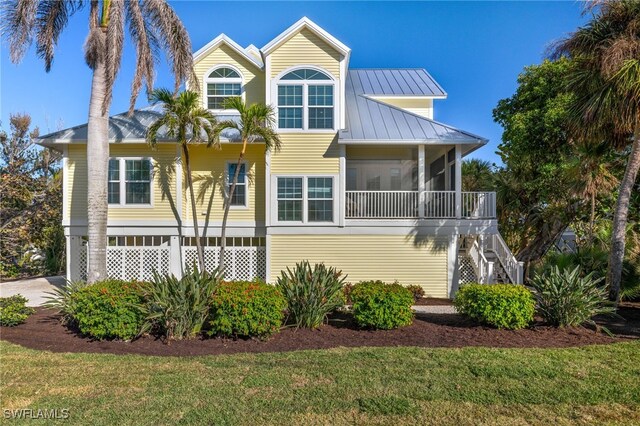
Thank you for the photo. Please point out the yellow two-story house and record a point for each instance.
(365, 181)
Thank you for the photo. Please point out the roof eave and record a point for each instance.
(478, 142)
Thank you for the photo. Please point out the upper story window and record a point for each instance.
(306, 100)
(239, 198)
(129, 181)
(222, 83)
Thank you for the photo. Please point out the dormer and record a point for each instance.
(225, 69)
(306, 70)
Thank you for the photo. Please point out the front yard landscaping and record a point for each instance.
(407, 385)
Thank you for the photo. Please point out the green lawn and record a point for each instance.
(591, 385)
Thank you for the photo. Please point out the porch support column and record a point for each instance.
(458, 182)
(342, 186)
(175, 255)
(421, 181)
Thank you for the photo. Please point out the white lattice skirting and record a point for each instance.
(130, 263)
(139, 263)
(467, 271)
(242, 263)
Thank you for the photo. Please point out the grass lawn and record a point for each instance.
(589, 385)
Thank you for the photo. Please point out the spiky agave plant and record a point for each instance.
(311, 293)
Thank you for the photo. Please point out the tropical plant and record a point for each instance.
(177, 308)
(311, 293)
(186, 121)
(477, 175)
(246, 309)
(61, 299)
(13, 310)
(381, 306)
(500, 305)
(606, 81)
(153, 27)
(565, 298)
(591, 175)
(256, 123)
(109, 309)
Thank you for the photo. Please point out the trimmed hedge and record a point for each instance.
(500, 305)
(13, 310)
(381, 306)
(109, 309)
(246, 309)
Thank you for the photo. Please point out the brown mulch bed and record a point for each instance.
(433, 301)
(43, 331)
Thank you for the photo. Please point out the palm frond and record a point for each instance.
(145, 43)
(18, 25)
(114, 46)
(52, 18)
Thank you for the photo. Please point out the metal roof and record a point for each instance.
(396, 81)
(373, 121)
(126, 128)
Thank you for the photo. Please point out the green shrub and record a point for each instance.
(109, 309)
(177, 308)
(311, 294)
(566, 298)
(13, 310)
(246, 309)
(61, 300)
(417, 291)
(499, 305)
(382, 306)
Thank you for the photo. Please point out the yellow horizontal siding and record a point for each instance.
(164, 156)
(305, 48)
(307, 153)
(422, 107)
(367, 257)
(253, 78)
(211, 163)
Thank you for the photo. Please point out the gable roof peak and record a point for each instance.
(306, 23)
(224, 39)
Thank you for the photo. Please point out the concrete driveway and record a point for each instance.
(34, 289)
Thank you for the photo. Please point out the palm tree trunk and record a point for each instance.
(616, 256)
(592, 223)
(97, 170)
(196, 230)
(232, 190)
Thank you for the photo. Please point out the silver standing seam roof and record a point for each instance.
(369, 121)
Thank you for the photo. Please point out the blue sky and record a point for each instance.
(475, 50)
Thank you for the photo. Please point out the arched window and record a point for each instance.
(306, 100)
(222, 83)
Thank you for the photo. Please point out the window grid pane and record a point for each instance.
(217, 93)
(290, 118)
(113, 187)
(320, 95)
(239, 197)
(224, 73)
(320, 203)
(137, 182)
(320, 118)
(289, 95)
(290, 199)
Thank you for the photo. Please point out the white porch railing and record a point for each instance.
(510, 264)
(129, 263)
(406, 205)
(381, 204)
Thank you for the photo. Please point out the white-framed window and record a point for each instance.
(240, 194)
(129, 182)
(305, 199)
(222, 82)
(306, 100)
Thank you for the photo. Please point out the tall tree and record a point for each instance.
(535, 203)
(187, 122)
(256, 123)
(153, 27)
(606, 81)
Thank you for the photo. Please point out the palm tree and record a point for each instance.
(187, 122)
(153, 27)
(256, 123)
(606, 82)
(477, 175)
(591, 176)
